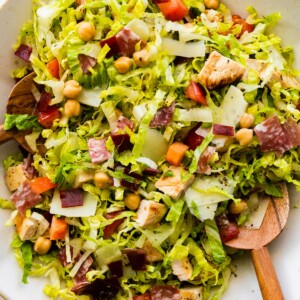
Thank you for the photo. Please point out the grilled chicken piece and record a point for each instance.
(152, 254)
(28, 229)
(192, 293)
(176, 184)
(286, 81)
(220, 70)
(14, 177)
(43, 224)
(150, 213)
(261, 67)
(182, 268)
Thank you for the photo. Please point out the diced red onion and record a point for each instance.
(24, 52)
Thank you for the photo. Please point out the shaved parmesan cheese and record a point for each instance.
(68, 248)
(233, 107)
(140, 28)
(77, 266)
(205, 193)
(155, 146)
(87, 209)
(57, 90)
(90, 97)
(147, 161)
(198, 114)
(256, 217)
(192, 49)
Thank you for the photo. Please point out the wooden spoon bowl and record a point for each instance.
(257, 240)
(20, 101)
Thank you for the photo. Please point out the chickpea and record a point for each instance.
(102, 180)
(212, 4)
(247, 120)
(123, 64)
(42, 245)
(86, 31)
(244, 136)
(132, 201)
(72, 108)
(72, 89)
(141, 58)
(238, 208)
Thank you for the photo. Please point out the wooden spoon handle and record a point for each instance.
(5, 136)
(266, 274)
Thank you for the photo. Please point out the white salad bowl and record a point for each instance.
(284, 250)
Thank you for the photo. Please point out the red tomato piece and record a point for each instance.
(110, 229)
(58, 229)
(41, 184)
(174, 10)
(245, 26)
(53, 68)
(47, 117)
(195, 92)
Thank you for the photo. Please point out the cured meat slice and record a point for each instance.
(98, 151)
(71, 198)
(80, 279)
(163, 116)
(166, 292)
(24, 198)
(220, 70)
(273, 136)
(203, 163)
(219, 129)
(292, 132)
(28, 169)
(124, 122)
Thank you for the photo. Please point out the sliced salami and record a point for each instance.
(24, 198)
(203, 163)
(166, 292)
(98, 151)
(163, 116)
(28, 169)
(292, 132)
(80, 279)
(272, 137)
(71, 198)
(124, 122)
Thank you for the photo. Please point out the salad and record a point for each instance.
(158, 128)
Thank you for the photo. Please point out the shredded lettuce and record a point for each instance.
(21, 122)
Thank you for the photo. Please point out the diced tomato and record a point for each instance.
(195, 92)
(41, 184)
(174, 10)
(44, 101)
(110, 229)
(53, 68)
(58, 228)
(47, 117)
(245, 26)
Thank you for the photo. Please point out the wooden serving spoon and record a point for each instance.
(20, 101)
(257, 240)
